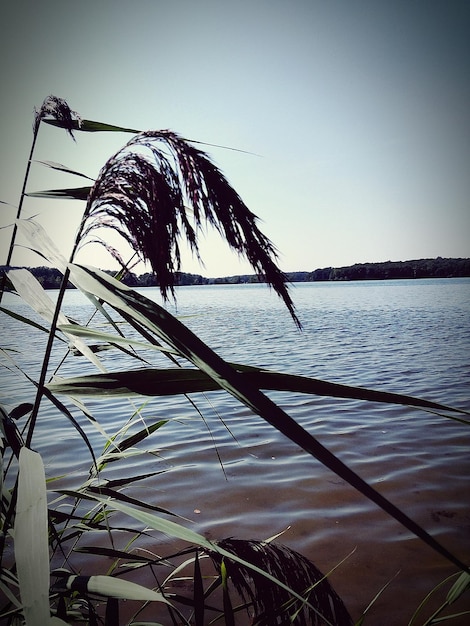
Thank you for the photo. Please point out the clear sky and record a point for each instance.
(357, 112)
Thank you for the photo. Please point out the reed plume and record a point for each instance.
(159, 189)
(271, 603)
(58, 109)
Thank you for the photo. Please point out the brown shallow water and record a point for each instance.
(409, 337)
(327, 519)
(270, 485)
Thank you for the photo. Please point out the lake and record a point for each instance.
(237, 476)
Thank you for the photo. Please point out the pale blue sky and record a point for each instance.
(359, 110)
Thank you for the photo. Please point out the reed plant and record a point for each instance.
(155, 192)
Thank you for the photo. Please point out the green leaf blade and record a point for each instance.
(109, 586)
(31, 539)
(75, 193)
(63, 168)
(91, 126)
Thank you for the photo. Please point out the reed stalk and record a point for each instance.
(59, 109)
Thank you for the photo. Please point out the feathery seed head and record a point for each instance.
(58, 109)
(159, 189)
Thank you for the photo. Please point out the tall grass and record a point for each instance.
(158, 190)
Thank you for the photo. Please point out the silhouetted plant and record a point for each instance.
(58, 109)
(156, 191)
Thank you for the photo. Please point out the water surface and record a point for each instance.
(407, 336)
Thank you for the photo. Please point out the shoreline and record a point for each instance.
(50, 278)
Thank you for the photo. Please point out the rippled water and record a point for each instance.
(410, 337)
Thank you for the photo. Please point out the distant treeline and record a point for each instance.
(50, 278)
(421, 268)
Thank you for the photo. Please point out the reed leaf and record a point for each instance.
(116, 495)
(114, 587)
(112, 553)
(461, 585)
(25, 320)
(167, 527)
(137, 309)
(11, 436)
(95, 423)
(64, 410)
(177, 381)
(198, 594)
(31, 539)
(63, 168)
(95, 335)
(178, 569)
(21, 410)
(227, 602)
(125, 481)
(90, 126)
(31, 291)
(74, 193)
(136, 438)
(40, 241)
(362, 619)
(9, 595)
